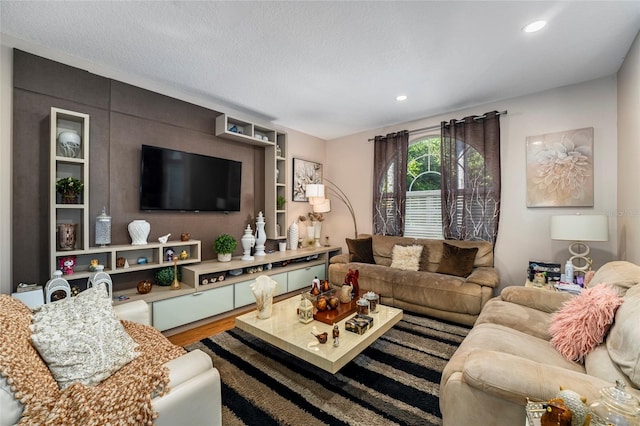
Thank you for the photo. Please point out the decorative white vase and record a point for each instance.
(311, 233)
(292, 240)
(261, 236)
(317, 232)
(248, 241)
(139, 231)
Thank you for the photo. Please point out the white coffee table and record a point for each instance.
(284, 331)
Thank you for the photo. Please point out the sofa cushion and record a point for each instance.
(598, 363)
(81, 339)
(360, 250)
(582, 323)
(523, 318)
(406, 258)
(623, 342)
(456, 260)
(424, 258)
(383, 247)
(622, 274)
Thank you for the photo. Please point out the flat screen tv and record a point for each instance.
(177, 180)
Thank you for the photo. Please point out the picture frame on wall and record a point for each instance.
(304, 173)
(560, 169)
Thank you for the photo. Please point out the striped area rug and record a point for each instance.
(394, 381)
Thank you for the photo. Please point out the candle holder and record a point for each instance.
(175, 285)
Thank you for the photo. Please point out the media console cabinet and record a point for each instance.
(211, 288)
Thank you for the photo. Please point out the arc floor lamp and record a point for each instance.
(321, 204)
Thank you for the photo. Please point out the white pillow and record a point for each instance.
(406, 258)
(81, 339)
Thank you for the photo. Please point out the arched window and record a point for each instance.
(423, 209)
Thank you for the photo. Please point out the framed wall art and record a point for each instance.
(304, 172)
(560, 169)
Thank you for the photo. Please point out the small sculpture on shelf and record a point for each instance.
(144, 286)
(183, 255)
(164, 239)
(93, 265)
(66, 264)
(185, 236)
(169, 254)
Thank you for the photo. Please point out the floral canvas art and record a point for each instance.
(560, 169)
(304, 172)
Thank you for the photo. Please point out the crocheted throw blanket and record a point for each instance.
(123, 398)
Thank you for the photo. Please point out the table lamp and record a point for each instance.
(580, 228)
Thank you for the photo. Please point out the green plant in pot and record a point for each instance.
(70, 188)
(225, 245)
(280, 202)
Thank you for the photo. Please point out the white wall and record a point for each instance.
(6, 107)
(524, 232)
(629, 155)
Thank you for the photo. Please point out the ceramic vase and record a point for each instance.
(139, 231)
(261, 237)
(317, 228)
(67, 236)
(292, 240)
(248, 241)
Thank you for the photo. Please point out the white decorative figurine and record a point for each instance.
(261, 236)
(248, 241)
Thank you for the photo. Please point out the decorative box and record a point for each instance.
(359, 324)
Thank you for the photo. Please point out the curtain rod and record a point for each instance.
(437, 126)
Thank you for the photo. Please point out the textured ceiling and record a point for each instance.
(331, 69)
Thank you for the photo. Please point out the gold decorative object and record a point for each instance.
(175, 285)
(144, 287)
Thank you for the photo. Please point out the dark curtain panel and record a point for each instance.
(390, 183)
(471, 178)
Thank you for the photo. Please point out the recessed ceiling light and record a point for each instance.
(534, 26)
(401, 98)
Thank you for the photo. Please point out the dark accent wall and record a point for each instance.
(122, 118)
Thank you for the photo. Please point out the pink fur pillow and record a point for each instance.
(583, 321)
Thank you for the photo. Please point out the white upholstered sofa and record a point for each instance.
(194, 397)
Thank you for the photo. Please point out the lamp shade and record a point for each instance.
(323, 207)
(314, 190)
(579, 227)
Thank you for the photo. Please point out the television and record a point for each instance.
(177, 180)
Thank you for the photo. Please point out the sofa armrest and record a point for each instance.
(485, 276)
(195, 396)
(137, 311)
(540, 299)
(515, 379)
(340, 258)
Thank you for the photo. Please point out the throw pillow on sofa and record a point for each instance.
(583, 321)
(360, 250)
(406, 258)
(623, 343)
(456, 260)
(81, 339)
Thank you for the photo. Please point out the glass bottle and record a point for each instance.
(616, 407)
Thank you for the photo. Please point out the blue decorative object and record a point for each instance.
(142, 260)
(233, 128)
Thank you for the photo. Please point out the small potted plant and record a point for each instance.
(225, 245)
(280, 201)
(70, 188)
